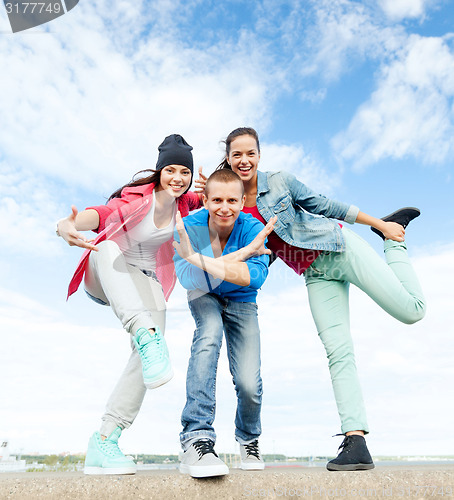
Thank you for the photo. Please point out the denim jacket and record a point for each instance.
(304, 217)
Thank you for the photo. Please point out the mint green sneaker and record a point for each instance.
(105, 457)
(154, 354)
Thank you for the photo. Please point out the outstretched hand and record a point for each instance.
(67, 230)
(184, 248)
(200, 183)
(257, 245)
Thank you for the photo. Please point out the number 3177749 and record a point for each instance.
(32, 8)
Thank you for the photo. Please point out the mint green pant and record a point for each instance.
(393, 285)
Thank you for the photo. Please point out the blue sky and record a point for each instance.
(355, 98)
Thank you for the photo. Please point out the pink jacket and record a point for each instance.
(122, 214)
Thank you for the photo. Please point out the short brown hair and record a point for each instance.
(224, 175)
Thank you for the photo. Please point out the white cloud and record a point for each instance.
(410, 113)
(29, 210)
(293, 158)
(343, 36)
(13, 304)
(401, 9)
(100, 117)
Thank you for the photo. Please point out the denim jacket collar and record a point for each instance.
(262, 182)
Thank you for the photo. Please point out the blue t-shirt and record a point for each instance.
(198, 281)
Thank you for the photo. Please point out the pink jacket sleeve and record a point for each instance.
(105, 211)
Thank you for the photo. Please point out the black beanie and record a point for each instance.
(174, 150)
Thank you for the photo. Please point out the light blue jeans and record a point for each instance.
(393, 285)
(214, 316)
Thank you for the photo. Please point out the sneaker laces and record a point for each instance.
(253, 449)
(344, 446)
(153, 351)
(111, 448)
(205, 446)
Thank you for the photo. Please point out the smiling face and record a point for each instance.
(244, 157)
(224, 202)
(175, 179)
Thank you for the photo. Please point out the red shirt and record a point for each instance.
(299, 259)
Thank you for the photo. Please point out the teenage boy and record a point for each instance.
(222, 262)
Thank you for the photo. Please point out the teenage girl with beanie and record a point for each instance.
(331, 257)
(129, 266)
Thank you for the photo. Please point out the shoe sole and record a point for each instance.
(246, 466)
(412, 209)
(153, 383)
(205, 471)
(351, 467)
(90, 471)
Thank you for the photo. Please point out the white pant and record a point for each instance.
(138, 302)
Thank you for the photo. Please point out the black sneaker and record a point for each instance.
(403, 216)
(354, 455)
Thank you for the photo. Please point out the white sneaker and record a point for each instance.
(251, 459)
(200, 460)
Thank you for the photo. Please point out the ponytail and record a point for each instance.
(224, 164)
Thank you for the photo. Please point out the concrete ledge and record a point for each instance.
(420, 482)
